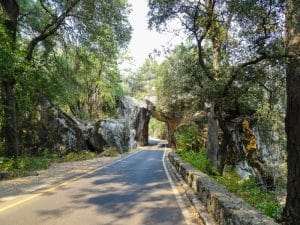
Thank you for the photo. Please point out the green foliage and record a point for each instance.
(92, 82)
(23, 165)
(78, 156)
(187, 136)
(142, 82)
(110, 152)
(73, 62)
(178, 84)
(265, 201)
(157, 129)
(198, 159)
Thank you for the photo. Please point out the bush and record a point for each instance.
(110, 152)
(199, 160)
(78, 156)
(188, 137)
(24, 165)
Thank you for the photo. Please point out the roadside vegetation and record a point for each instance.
(248, 189)
(27, 165)
(263, 200)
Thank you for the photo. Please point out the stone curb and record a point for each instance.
(224, 207)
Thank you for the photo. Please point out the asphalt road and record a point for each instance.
(132, 191)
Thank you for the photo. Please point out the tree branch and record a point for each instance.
(11, 10)
(49, 30)
(46, 9)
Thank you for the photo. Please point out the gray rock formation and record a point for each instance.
(58, 130)
(136, 116)
(117, 134)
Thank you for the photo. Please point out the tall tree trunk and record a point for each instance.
(214, 151)
(171, 126)
(226, 137)
(292, 123)
(10, 126)
(212, 139)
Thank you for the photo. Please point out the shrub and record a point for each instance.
(199, 160)
(188, 137)
(78, 155)
(110, 152)
(24, 165)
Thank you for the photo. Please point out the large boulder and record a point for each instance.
(58, 130)
(248, 153)
(117, 134)
(62, 132)
(136, 116)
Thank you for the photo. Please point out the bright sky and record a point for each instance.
(143, 40)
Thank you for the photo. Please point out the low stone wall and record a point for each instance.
(225, 207)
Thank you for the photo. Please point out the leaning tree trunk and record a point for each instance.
(292, 123)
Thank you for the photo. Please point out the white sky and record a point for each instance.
(143, 40)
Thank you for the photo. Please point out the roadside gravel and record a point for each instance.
(56, 173)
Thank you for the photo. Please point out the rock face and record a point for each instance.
(58, 130)
(136, 117)
(92, 138)
(247, 152)
(64, 133)
(116, 133)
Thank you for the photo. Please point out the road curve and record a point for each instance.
(133, 191)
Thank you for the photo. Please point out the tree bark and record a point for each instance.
(10, 125)
(226, 137)
(292, 123)
(212, 139)
(172, 143)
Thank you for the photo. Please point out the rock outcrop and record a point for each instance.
(117, 133)
(246, 151)
(136, 116)
(64, 133)
(58, 130)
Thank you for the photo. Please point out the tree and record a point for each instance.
(292, 122)
(93, 83)
(232, 45)
(142, 81)
(10, 127)
(35, 27)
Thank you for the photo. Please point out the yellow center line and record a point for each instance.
(33, 196)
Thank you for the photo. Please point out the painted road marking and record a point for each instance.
(33, 196)
(182, 206)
